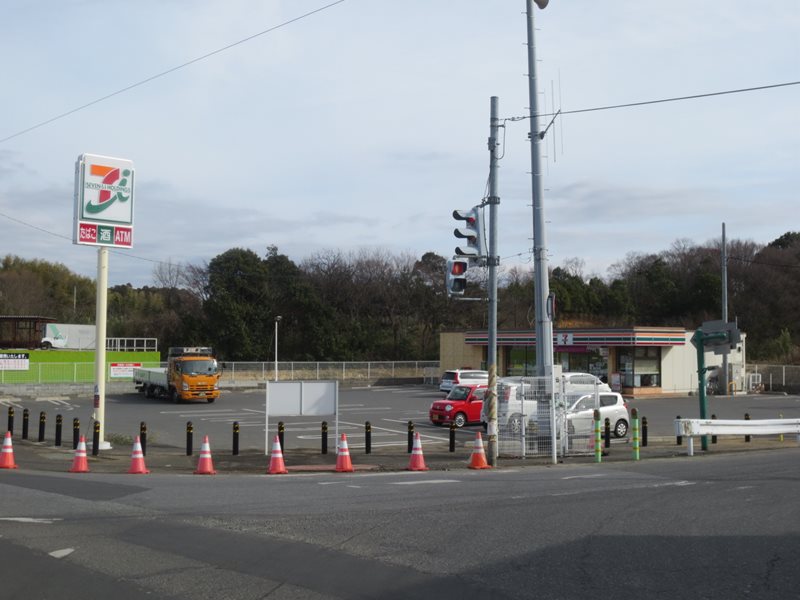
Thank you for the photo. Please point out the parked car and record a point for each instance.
(462, 376)
(580, 414)
(462, 406)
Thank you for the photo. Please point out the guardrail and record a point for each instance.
(692, 427)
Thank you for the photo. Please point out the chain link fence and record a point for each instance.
(772, 378)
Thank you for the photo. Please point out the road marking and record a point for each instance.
(29, 520)
(424, 482)
(584, 476)
(62, 553)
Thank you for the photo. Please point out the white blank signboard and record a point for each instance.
(301, 398)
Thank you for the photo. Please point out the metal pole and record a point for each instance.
(493, 260)
(277, 320)
(544, 324)
(100, 345)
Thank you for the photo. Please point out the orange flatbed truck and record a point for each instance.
(192, 373)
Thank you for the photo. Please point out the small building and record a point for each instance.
(637, 361)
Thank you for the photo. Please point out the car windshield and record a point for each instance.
(459, 392)
(200, 367)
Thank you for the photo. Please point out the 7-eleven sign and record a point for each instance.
(103, 213)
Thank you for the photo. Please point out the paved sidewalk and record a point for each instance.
(34, 456)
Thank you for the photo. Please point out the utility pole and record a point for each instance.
(724, 379)
(544, 323)
(493, 261)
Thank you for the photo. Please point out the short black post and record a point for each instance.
(11, 419)
(644, 431)
(607, 433)
(42, 423)
(713, 437)
(189, 435)
(25, 418)
(76, 432)
(452, 437)
(96, 439)
(747, 418)
(324, 437)
(59, 425)
(143, 437)
(281, 430)
(236, 438)
(410, 436)
(367, 438)
(679, 438)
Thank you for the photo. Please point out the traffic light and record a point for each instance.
(472, 232)
(456, 276)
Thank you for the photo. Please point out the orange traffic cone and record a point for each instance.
(276, 466)
(417, 462)
(7, 455)
(343, 464)
(478, 458)
(137, 459)
(205, 466)
(80, 464)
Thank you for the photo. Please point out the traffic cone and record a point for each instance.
(7, 455)
(343, 464)
(478, 458)
(205, 466)
(417, 462)
(276, 466)
(137, 459)
(80, 464)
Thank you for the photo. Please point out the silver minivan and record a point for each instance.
(462, 376)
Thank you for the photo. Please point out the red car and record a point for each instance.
(462, 406)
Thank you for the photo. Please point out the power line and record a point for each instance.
(168, 71)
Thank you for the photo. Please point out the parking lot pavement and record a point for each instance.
(35, 456)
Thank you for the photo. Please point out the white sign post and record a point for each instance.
(103, 217)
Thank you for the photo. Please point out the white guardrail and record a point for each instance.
(692, 427)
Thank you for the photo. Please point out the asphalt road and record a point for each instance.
(387, 408)
(718, 526)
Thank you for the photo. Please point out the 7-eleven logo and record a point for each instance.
(113, 186)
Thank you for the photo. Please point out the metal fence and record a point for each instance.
(773, 378)
(237, 373)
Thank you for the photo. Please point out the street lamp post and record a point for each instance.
(277, 320)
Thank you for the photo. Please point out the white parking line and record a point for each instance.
(424, 482)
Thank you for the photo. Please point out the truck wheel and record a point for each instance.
(148, 391)
(173, 395)
(210, 400)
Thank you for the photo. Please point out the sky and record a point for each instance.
(362, 124)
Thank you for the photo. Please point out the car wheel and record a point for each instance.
(621, 428)
(460, 420)
(515, 423)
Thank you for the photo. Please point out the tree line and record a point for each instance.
(373, 305)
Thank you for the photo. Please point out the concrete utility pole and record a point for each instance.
(724, 379)
(493, 261)
(544, 323)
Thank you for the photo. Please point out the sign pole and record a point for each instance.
(100, 345)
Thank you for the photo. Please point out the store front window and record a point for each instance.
(521, 361)
(639, 367)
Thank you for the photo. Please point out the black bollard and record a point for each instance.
(59, 425)
(453, 436)
(713, 437)
(410, 436)
(644, 431)
(324, 437)
(143, 437)
(747, 418)
(11, 420)
(607, 433)
(76, 432)
(367, 438)
(281, 430)
(96, 439)
(25, 419)
(42, 423)
(236, 438)
(189, 433)
(679, 438)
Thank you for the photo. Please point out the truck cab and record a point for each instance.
(193, 374)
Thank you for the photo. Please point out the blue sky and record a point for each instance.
(365, 124)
